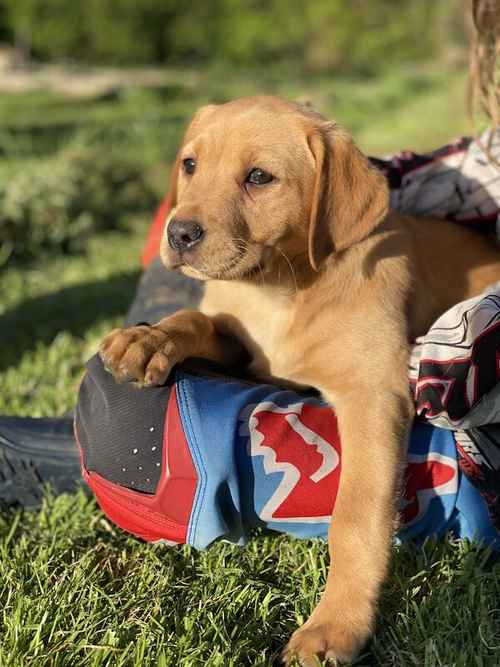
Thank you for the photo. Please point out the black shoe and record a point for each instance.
(35, 453)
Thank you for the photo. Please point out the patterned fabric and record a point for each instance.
(457, 182)
(454, 376)
(455, 369)
(233, 456)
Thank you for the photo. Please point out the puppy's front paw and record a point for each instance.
(318, 640)
(309, 645)
(141, 354)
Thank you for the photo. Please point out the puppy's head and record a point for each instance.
(260, 178)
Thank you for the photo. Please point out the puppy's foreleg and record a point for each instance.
(373, 423)
(146, 354)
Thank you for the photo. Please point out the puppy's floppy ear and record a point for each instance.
(350, 196)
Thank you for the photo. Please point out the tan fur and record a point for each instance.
(323, 287)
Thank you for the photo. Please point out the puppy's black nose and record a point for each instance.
(184, 234)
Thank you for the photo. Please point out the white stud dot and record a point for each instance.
(152, 429)
(153, 449)
(157, 465)
(134, 451)
(147, 480)
(139, 468)
(124, 469)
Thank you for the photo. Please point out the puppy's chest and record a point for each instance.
(273, 345)
(266, 325)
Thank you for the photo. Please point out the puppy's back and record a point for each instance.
(450, 263)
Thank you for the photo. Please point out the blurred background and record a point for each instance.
(94, 97)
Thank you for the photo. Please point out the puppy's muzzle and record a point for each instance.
(184, 234)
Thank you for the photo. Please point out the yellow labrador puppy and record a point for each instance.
(312, 276)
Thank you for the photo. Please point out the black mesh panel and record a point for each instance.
(120, 428)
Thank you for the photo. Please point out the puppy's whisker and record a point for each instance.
(285, 256)
(263, 279)
(241, 244)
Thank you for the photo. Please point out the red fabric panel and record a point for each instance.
(164, 515)
(151, 248)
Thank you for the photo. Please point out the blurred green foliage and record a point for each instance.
(55, 204)
(349, 35)
(72, 166)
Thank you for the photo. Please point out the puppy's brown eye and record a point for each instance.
(258, 177)
(189, 165)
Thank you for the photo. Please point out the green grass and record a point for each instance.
(52, 315)
(74, 590)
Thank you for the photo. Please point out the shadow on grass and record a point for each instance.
(73, 309)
